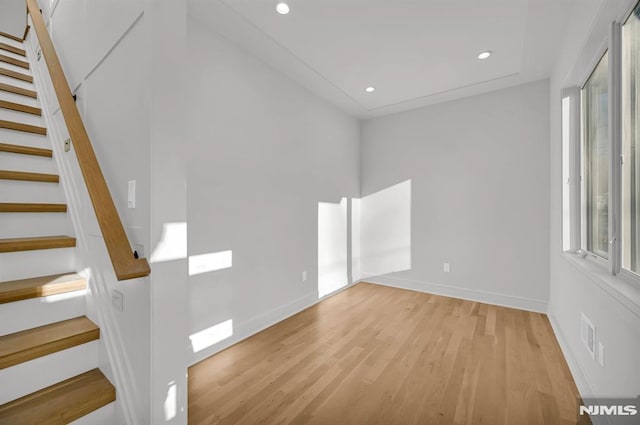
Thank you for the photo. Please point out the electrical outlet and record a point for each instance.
(446, 267)
(117, 300)
(304, 276)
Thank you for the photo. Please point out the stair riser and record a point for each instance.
(16, 81)
(12, 55)
(105, 415)
(42, 372)
(34, 224)
(19, 98)
(21, 191)
(21, 117)
(13, 67)
(27, 314)
(25, 264)
(23, 138)
(22, 63)
(11, 42)
(31, 163)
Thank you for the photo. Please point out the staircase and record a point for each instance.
(48, 347)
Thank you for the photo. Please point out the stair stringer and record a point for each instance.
(92, 259)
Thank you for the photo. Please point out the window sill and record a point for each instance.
(625, 292)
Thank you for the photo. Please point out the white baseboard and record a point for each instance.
(521, 303)
(244, 330)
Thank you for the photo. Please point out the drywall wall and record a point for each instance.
(479, 196)
(169, 291)
(115, 106)
(575, 287)
(13, 18)
(267, 159)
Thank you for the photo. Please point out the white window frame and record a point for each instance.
(577, 216)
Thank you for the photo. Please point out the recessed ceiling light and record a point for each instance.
(370, 89)
(282, 8)
(485, 55)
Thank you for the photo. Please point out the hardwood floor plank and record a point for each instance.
(378, 355)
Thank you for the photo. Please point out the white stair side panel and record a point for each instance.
(13, 55)
(11, 42)
(103, 416)
(26, 225)
(24, 138)
(27, 314)
(15, 68)
(28, 377)
(15, 81)
(25, 191)
(25, 264)
(32, 163)
(19, 98)
(21, 117)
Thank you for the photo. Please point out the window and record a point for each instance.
(630, 142)
(566, 173)
(595, 127)
(601, 156)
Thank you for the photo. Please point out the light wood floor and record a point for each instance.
(378, 355)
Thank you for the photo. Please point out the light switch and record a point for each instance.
(132, 194)
(117, 300)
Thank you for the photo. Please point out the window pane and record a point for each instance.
(596, 158)
(631, 133)
(566, 184)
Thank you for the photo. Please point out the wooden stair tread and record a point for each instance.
(12, 37)
(27, 345)
(16, 75)
(27, 128)
(13, 61)
(29, 207)
(18, 90)
(20, 107)
(25, 150)
(12, 49)
(61, 403)
(26, 176)
(31, 244)
(42, 286)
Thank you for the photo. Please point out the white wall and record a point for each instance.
(13, 17)
(264, 153)
(479, 194)
(575, 288)
(99, 43)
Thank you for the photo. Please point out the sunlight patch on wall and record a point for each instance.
(204, 263)
(211, 335)
(171, 402)
(172, 244)
(356, 239)
(332, 246)
(385, 228)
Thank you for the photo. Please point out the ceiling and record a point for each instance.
(414, 52)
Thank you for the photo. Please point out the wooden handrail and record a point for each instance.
(125, 265)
